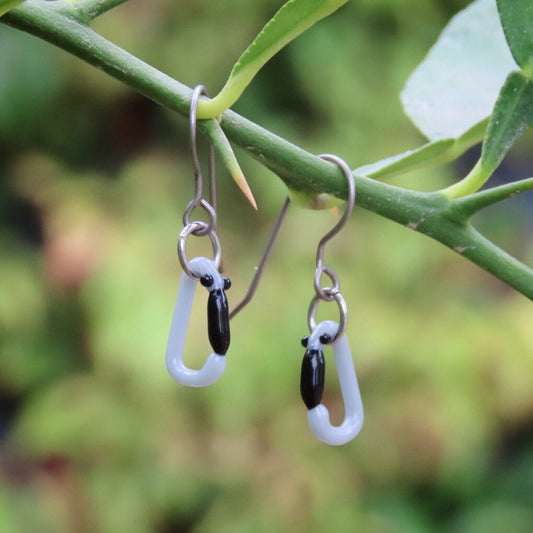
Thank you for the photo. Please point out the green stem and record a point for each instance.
(429, 213)
(467, 206)
(90, 9)
(63, 30)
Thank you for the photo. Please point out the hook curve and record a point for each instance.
(312, 386)
(207, 274)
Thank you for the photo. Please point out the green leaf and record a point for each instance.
(399, 163)
(430, 154)
(291, 20)
(6, 5)
(457, 84)
(512, 116)
(517, 21)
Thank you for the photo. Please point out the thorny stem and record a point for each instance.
(471, 204)
(90, 9)
(432, 214)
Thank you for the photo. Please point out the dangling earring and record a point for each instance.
(330, 333)
(204, 270)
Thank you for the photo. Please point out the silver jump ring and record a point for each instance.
(343, 313)
(197, 228)
(210, 227)
(327, 294)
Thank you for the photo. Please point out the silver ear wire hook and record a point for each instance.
(350, 202)
(328, 294)
(213, 185)
(197, 199)
(197, 227)
(322, 293)
(197, 91)
(264, 258)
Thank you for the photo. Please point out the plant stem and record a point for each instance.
(429, 213)
(470, 184)
(90, 9)
(471, 204)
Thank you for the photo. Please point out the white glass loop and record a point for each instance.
(318, 417)
(215, 365)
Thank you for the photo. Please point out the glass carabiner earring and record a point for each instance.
(326, 333)
(204, 271)
(312, 385)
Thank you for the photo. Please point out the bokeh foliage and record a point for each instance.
(96, 435)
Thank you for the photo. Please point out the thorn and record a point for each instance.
(245, 188)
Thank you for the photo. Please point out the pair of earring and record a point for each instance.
(207, 272)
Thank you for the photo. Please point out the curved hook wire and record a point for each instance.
(197, 91)
(264, 258)
(206, 271)
(349, 203)
(197, 199)
(312, 386)
(328, 294)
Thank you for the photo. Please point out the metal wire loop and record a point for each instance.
(210, 226)
(327, 294)
(343, 314)
(196, 228)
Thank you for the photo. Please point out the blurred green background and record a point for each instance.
(95, 435)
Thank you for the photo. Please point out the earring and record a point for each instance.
(203, 270)
(330, 333)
